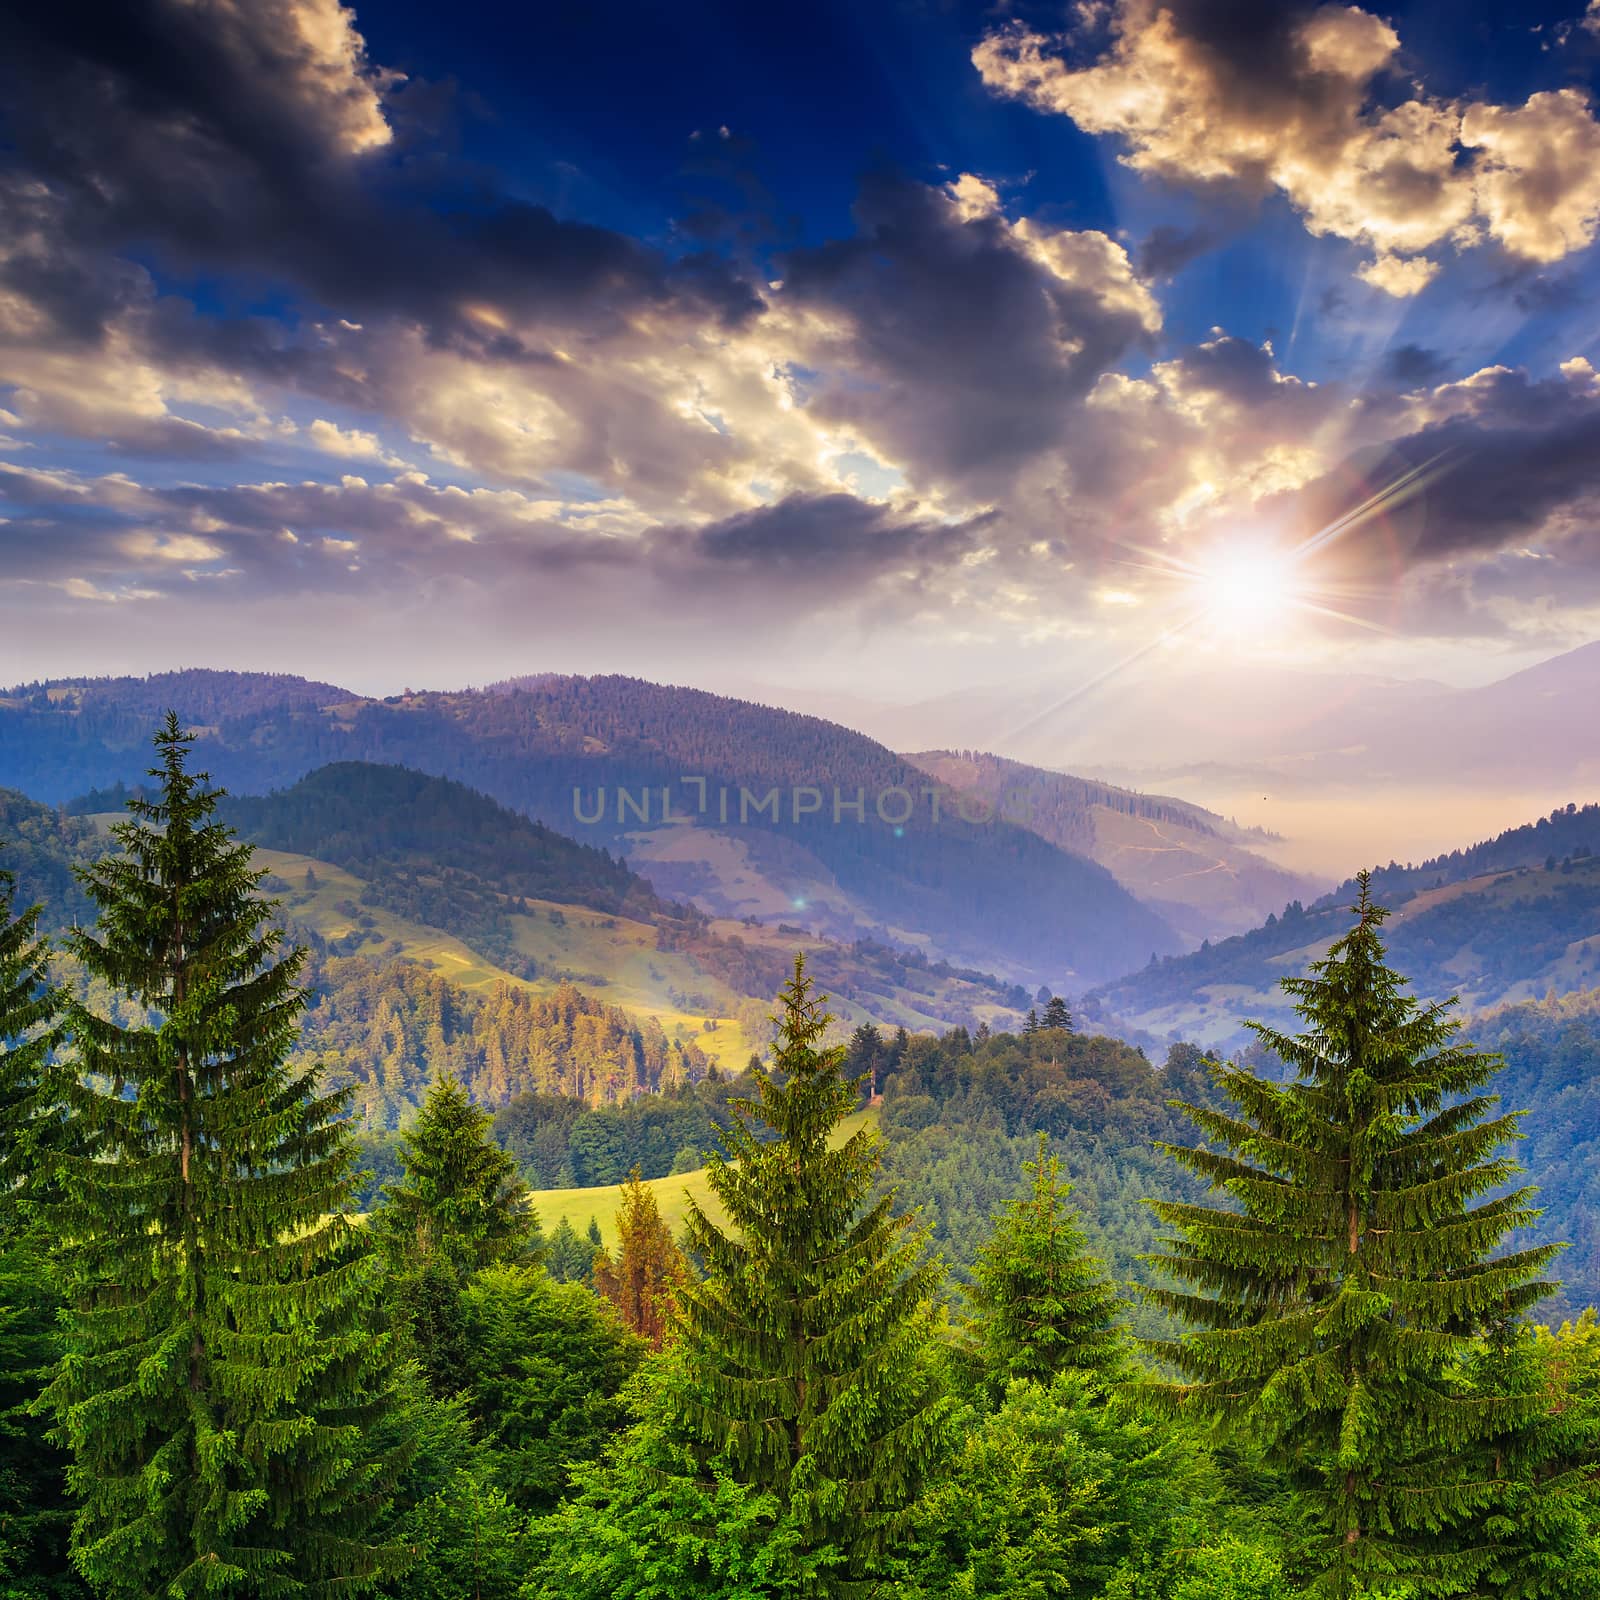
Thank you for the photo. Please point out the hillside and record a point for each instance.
(39, 847)
(451, 934)
(1501, 921)
(1192, 866)
(715, 800)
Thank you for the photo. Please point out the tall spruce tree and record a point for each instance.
(30, 1007)
(1334, 1300)
(806, 1346)
(219, 1363)
(1044, 1303)
(34, 1511)
(458, 1208)
(1056, 1014)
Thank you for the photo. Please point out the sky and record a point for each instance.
(874, 348)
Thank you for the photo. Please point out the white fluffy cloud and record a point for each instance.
(1303, 113)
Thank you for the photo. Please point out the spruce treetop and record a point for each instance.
(1045, 1304)
(1336, 1293)
(460, 1200)
(806, 1347)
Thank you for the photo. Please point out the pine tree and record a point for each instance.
(1543, 1522)
(1335, 1298)
(568, 1257)
(29, 1011)
(1030, 1023)
(34, 1514)
(460, 1201)
(644, 1281)
(805, 1347)
(1045, 1304)
(219, 1361)
(1056, 1015)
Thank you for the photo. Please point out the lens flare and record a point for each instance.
(1246, 587)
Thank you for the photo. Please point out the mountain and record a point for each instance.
(1187, 863)
(748, 811)
(1502, 921)
(1296, 725)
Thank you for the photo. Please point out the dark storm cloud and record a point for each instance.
(1166, 249)
(1412, 364)
(967, 347)
(1524, 452)
(235, 136)
(833, 533)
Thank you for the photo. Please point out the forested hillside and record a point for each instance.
(1501, 921)
(440, 923)
(986, 894)
(1196, 868)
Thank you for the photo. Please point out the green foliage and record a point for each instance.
(1055, 1494)
(1044, 1305)
(1229, 1568)
(569, 1258)
(460, 1201)
(463, 1534)
(1335, 1295)
(807, 1344)
(958, 1127)
(562, 1144)
(1542, 1524)
(219, 1363)
(542, 1365)
(30, 1006)
(655, 1521)
(35, 1514)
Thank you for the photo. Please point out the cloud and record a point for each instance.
(955, 339)
(356, 443)
(1538, 178)
(410, 536)
(1290, 98)
(256, 136)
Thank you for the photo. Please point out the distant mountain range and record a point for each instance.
(427, 906)
(745, 810)
(1504, 921)
(1301, 726)
(1183, 861)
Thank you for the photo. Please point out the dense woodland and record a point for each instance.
(217, 1377)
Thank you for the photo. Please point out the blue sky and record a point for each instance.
(731, 343)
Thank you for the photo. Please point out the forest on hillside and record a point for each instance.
(1011, 1344)
(797, 1400)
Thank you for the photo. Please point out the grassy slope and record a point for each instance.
(673, 1195)
(623, 953)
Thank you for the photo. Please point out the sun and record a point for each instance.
(1248, 586)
